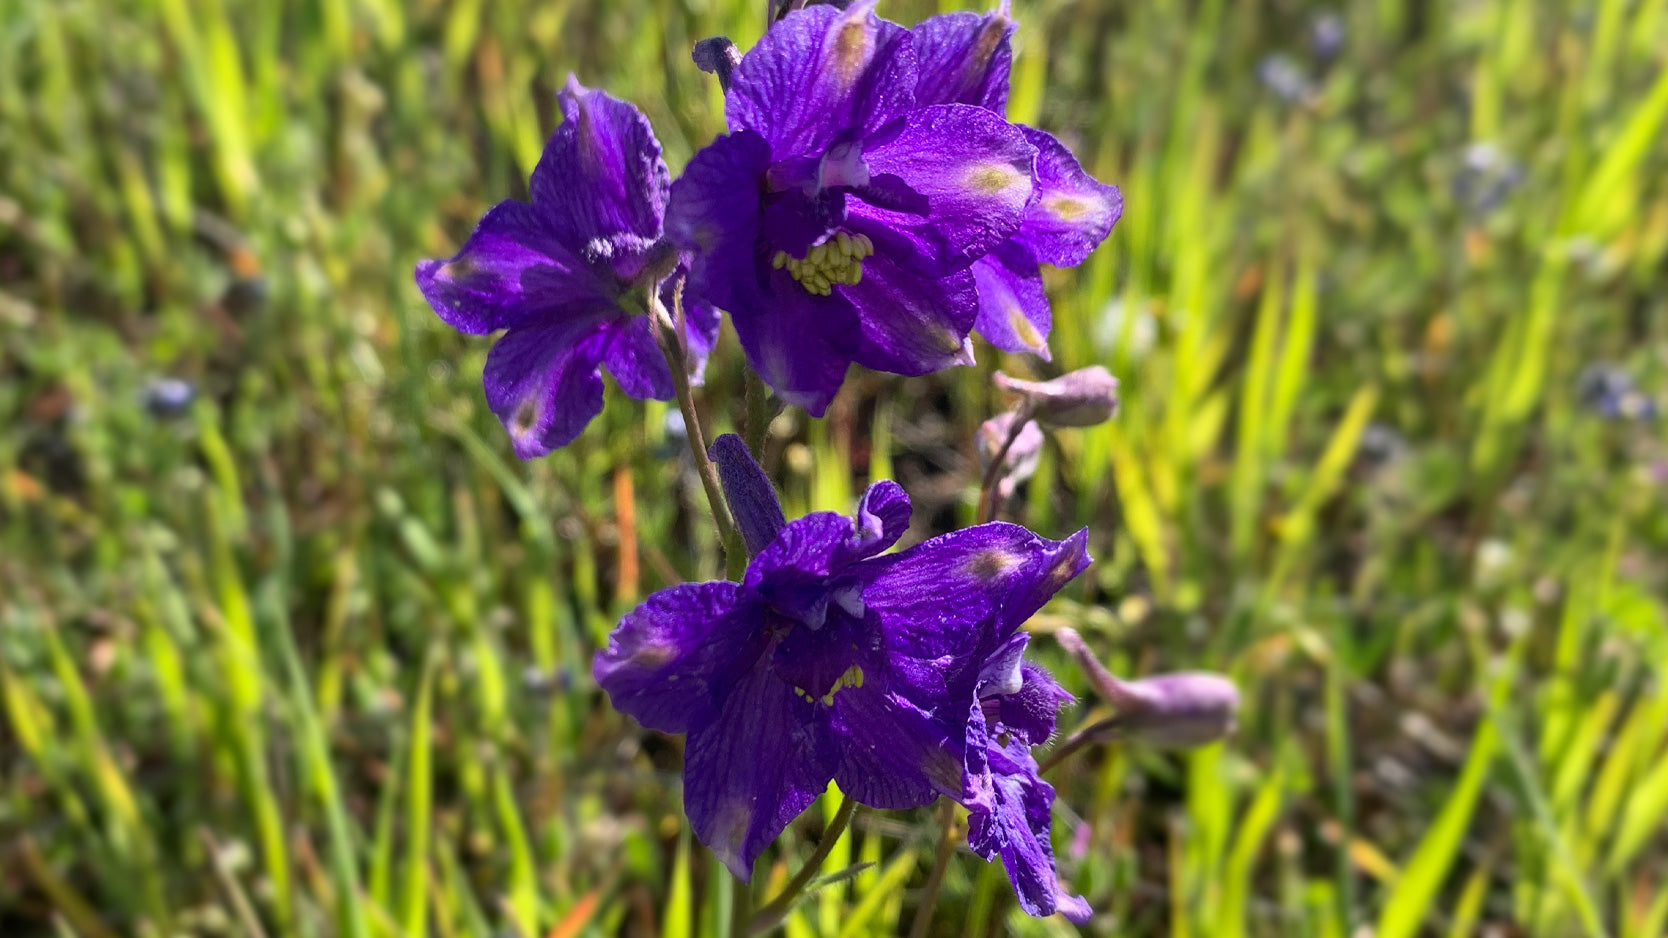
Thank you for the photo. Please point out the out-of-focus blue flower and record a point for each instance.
(829, 661)
(1611, 392)
(167, 398)
(568, 275)
(1486, 176)
(836, 222)
(1326, 37)
(1280, 74)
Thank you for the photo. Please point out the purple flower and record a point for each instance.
(838, 220)
(1010, 807)
(965, 58)
(828, 661)
(568, 276)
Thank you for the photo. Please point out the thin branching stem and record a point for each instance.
(940, 866)
(993, 472)
(772, 914)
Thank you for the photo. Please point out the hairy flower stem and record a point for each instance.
(1099, 732)
(993, 472)
(670, 337)
(761, 409)
(772, 914)
(935, 879)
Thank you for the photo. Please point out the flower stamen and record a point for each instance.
(838, 260)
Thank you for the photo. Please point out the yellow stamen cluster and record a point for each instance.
(837, 260)
(853, 677)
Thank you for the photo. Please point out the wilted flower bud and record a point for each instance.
(1020, 462)
(1080, 398)
(717, 56)
(1172, 711)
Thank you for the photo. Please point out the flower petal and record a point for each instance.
(893, 755)
(786, 334)
(1013, 307)
(1072, 213)
(1017, 828)
(601, 173)
(964, 58)
(511, 272)
(973, 170)
(544, 383)
(713, 214)
(750, 771)
(910, 324)
(792, 572)
(700, 325)
(882, 517)
(821, 71)
(1030, 713)
(634, 359)
(670, 661)
(957, 596)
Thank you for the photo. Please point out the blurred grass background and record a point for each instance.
(307, 652)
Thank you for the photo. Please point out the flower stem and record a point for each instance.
(741, 907)
(1101, 731)
(772, 915)
(993, 472)
(761, 409)
(670, 337)
(935, 880)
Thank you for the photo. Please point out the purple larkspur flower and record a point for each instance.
(965, 58)
(567, 276)
(827, 661)
(837, 221)
(1009, 806)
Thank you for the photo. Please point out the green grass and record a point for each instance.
(313, 658)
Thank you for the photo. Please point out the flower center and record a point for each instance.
(836, 260)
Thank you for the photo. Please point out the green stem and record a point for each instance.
(741, 907)
(670, 338)
(772, 915)
(761, 409)
(1103, 731)
(935, 880)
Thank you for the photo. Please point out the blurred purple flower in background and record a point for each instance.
(569, 277)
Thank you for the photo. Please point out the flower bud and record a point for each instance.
(1080, 398)
(751, 497)
(717, 56)
(1020, 463)
(1170, 711)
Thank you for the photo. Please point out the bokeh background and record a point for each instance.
(290, 644)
